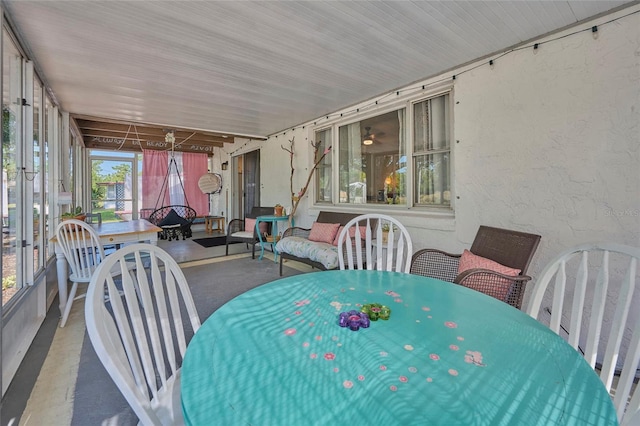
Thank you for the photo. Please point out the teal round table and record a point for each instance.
(447, 355)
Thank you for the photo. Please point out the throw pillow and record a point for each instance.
(492, 286)
(352, 233)
(335, 239)
(173, 218)
(249, 224)
(323, 232)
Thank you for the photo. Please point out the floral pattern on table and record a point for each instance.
(425, 363)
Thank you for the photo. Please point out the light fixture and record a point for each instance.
(225, 165)
(368, 138)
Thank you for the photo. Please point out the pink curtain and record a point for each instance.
(194, 167)
(154, 172)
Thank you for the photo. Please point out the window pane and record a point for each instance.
(323, 172)
(431, 124)
(12, 255)
(431, 147)
(38, 177)
(432, 179)
(372, 164)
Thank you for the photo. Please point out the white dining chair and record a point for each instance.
(83, 251)
(600, 279)
(141, 337)
(375, 241)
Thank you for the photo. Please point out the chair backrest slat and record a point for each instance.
(579, 295)
(618, 325)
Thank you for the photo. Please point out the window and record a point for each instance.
(371, 160)
(377, 165)
(13, 200)
(431, 152)
(323, 172)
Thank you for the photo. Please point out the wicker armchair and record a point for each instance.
(174, 221)
(509, 248)
(236, 232)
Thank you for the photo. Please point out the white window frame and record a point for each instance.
(407, 103)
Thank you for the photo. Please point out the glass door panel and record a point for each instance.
(111, 189)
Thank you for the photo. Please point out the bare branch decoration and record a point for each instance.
(295, 198)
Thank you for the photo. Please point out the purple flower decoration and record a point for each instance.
(354, 320)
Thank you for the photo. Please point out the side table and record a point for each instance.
(210, 220)
(274, 233)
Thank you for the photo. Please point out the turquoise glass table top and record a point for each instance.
(447, 355)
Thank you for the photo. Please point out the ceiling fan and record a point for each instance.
(369, 138)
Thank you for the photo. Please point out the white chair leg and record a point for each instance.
(67, 308)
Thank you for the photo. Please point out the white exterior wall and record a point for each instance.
(549, 143)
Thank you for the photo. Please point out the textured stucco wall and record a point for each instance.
(548, 143)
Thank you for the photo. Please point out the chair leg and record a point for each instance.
(67, 308)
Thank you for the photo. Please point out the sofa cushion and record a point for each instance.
(243, 234)
(323, 232)
(323, 253)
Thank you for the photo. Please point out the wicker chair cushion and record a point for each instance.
(173, 218)
(243, 234)
(323, 232)
(499, 287)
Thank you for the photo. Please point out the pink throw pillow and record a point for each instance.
(498, 288)
(352, 233)
(335, 240)
(323, 232)
(249, 224)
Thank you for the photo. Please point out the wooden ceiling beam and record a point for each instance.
(114, 144)
(122, 126)
(190, 138)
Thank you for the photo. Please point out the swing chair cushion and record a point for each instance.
(174, 221)
(172, 218)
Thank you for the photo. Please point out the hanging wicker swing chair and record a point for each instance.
(175, 220)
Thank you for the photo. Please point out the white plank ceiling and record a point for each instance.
(254, 68)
